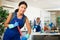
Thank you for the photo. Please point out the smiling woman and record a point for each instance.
(17, 22)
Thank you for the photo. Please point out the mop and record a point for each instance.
(22, 38)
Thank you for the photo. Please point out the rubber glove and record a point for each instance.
(13, 25)
(35, 26)
(25, 37)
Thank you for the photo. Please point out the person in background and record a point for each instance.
(51, 24)
(46, 27)
(37, 25)
(12, 32)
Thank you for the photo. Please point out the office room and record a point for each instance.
(29, 19)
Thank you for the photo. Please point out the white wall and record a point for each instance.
(32, 12)
(13, 5)
(45, 16)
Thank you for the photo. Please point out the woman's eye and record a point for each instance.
(23, 7)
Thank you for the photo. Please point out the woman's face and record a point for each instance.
(38, 20)
(22, 8)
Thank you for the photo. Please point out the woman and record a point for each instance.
(12, 32)
(37, 24)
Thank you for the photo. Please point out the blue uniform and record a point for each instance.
(38, 27)
(51, 25)
(13, 34)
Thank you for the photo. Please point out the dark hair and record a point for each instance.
(38, 18)
(22, 2)
(16, 10)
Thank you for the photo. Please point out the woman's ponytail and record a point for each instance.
(16, 10)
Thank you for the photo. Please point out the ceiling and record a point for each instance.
(44, 4)
(13, 0)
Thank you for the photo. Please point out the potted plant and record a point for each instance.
(3, 16)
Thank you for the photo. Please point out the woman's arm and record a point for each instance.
(28, 26)
(8, 20)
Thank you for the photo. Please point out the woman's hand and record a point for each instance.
(13, 25)
(25, 37)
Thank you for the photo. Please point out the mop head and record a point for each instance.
(25, 37)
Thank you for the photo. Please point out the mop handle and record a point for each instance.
(19, 31)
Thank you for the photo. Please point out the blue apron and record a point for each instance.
(37, 27)
(13, 34)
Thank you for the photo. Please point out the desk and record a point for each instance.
(38, 33)
(44, 36)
